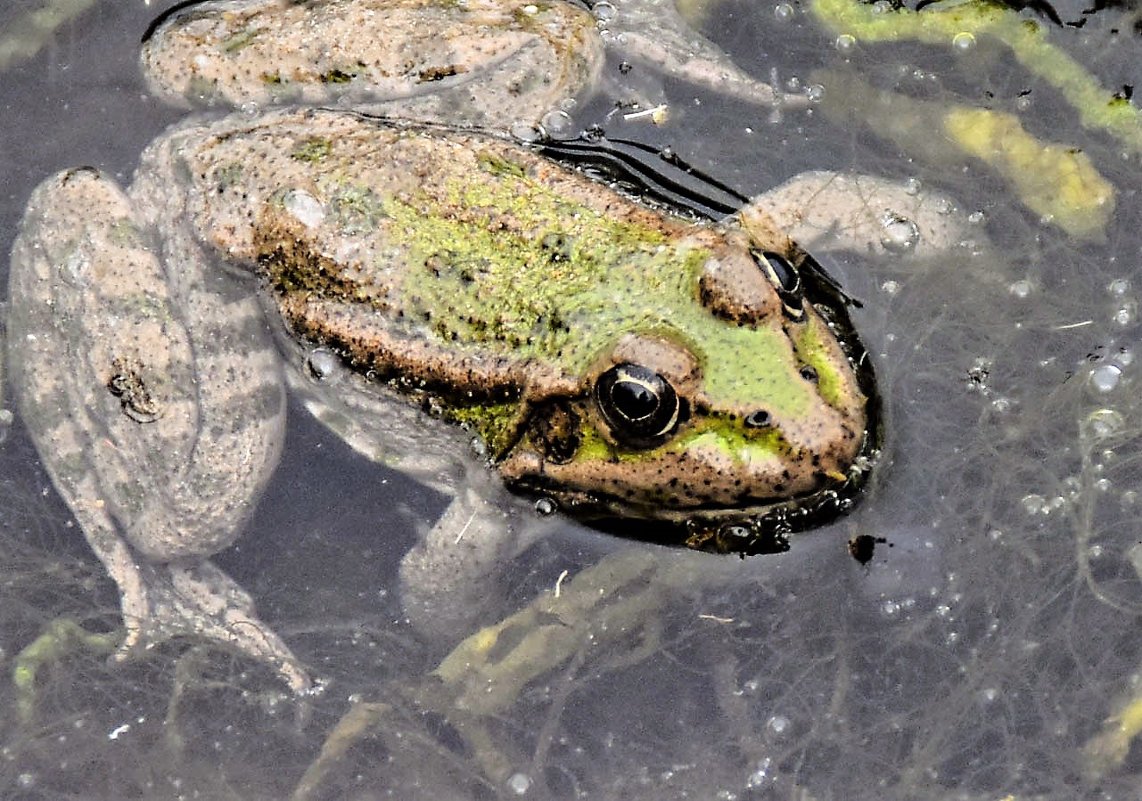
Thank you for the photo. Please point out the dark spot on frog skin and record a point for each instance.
(126, 383)
(554, 431)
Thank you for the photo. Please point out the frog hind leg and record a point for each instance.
(129, 419)
(161, 601)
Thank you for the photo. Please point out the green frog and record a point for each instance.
(447, 300)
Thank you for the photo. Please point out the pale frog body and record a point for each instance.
(424, 284)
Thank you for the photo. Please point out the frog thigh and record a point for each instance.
(832, 211)
(105, 381)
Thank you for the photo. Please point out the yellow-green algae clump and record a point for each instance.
(1055, 180)
(1097, 106)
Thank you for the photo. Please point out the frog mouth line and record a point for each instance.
(762, 528)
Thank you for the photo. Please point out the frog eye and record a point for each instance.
(785, 279)
(638, 404)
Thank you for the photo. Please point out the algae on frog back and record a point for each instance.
(511, 265)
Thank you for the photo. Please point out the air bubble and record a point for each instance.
(320, 364)
(1101, 424)
(778, 724)
(604, 11)
(963, 41)
(815, 93)
(783, 12)
(890, 288)
(901, 235)
(1034, 504)
(523, 131)
(305, 208)
(545, 507)
(1105, 377)
(1020, 289)
(976, 217)
(519, 783)
(913, 186)
(1126, 314)
(762, 774)
(845, 43)
(1118, 287)
(558, 124)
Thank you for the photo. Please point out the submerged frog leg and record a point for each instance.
(447, 580)
(655, 32)
(829, 211)
(128, 412)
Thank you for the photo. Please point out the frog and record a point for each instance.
(438, 293)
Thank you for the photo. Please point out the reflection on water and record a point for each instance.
(979, 652)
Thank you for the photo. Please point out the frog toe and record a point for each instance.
(200, 600)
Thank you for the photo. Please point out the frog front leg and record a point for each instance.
(157, 409)
(447, 580)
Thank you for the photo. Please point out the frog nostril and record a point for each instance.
(808, 373)
(759, 418)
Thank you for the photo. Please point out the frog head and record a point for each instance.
(736, 419)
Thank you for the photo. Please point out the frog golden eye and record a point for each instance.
(638, 404)
(785, 279)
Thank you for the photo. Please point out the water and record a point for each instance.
(976, 655)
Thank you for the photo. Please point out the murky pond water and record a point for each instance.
(979, 653)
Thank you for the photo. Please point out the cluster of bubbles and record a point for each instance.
(1108, 375)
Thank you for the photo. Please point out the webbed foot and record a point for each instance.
(160, 602)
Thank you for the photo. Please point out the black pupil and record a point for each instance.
(634, 400)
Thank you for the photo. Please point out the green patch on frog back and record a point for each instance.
(499, 165)
(239, 40)
(228, 176)
(356, 209)
(511, 265)
(554, 284)
(312, 150)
